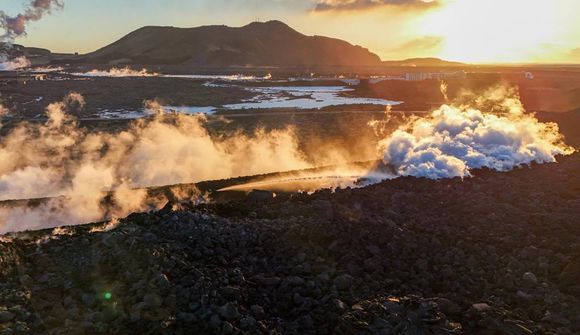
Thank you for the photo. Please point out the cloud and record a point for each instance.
(421, 44)
(355, 5)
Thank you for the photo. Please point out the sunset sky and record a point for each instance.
(478, 31)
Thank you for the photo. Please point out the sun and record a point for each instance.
(495, 30)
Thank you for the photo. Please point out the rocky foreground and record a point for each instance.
(495, 254)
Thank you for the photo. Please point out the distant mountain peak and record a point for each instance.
(271, 26)
(423, 62)
(271, 23)
(271, 43)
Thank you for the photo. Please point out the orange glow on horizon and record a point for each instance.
(496, 31)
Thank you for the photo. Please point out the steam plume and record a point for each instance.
(443, 87)
(118, 73)
(14, 64)
(82, 170)
(60, 159)
(15, 26)
(491, 130)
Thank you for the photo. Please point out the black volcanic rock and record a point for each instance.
(492, 254)
(271, 43)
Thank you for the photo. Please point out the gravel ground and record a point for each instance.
(498, 253)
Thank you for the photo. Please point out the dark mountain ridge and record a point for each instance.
(271, 43)
(422, 62)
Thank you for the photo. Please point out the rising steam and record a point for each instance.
(125, 72)
(443, 87)
(15, 26)
(118, 73)
(59, 159)
(97, 176)
(13, 64)
(491, 131)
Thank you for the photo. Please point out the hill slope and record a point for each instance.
(257, 44)
(423, 62)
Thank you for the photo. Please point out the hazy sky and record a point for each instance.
(464, 30)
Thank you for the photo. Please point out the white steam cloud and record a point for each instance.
(15, 26)
(13, 64)
(118, 73)
(59, 159)
(491, 131)
(96, 176)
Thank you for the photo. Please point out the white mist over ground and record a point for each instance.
(127, 72)
(96, 176)
(13, 64)
(117, 73)
(59, 158)
(47, 69)
(491, 131)
(234, 77)
(335, 177)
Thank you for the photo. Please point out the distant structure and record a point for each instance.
(419, 76)
(529, 75)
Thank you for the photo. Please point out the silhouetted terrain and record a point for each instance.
(16, 50)
(271, 44)
(258, 44)
(423, 62)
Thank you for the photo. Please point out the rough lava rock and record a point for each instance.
(493, 254)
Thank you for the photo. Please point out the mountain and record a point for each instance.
(422, 62)
(36, 56)
(271, 43)
(17, 50)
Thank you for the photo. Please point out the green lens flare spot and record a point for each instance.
(108, 295)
